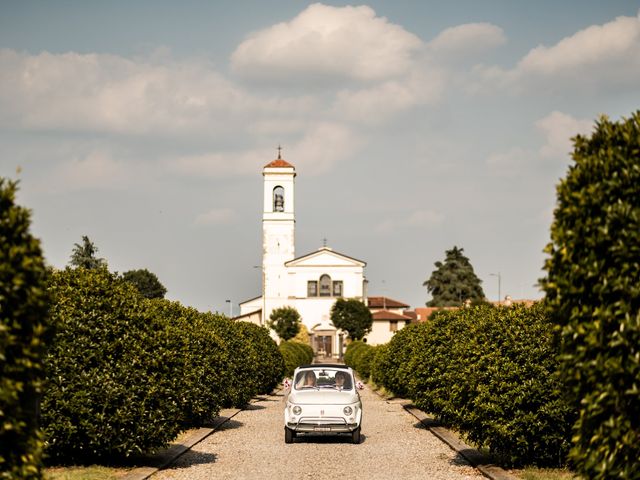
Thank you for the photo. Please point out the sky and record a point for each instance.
(414, 126)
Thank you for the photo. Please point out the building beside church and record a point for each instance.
(312, 282)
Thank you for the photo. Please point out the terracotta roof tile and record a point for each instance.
(279, 163)
(385, 302)
(387, 315)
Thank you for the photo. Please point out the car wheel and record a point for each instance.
(289, 435)
(355, 436)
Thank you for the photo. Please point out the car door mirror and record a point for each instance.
(359, 385)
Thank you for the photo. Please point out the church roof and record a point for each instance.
(322, 251)
(279, 163)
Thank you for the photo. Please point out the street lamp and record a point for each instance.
(499, 293)
(230, 308)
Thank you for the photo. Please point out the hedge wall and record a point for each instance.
(109, 391)
(593, 287)
(24, 334)
(126, 374)
(359, 356)
(295, 354)
(491, 373)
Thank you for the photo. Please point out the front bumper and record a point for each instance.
(322, 424)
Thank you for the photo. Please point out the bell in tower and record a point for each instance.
(278, 199)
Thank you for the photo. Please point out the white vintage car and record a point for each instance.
(322, 398)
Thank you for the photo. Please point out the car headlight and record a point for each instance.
(347, 410)
(296, 410)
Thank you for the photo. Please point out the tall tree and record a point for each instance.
(593, 291)
(85, 255)
(25, 333)
(285, 321)
(352, 316)
(146, 282)
(453, 281)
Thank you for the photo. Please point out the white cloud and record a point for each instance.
(599, 56)
(380, 102)
(215, 216)
(97, 170)
(558, 129)
(344, 42)
(112, 94)
(321, 146)
(467, 39)
(418, 219)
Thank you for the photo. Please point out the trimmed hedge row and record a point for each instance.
(295, 354)
(24, 334)
(489, 372)
(359, 356)
(126, 374)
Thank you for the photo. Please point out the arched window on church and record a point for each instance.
(325, 285)
(278, 199)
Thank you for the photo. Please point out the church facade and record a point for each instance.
(310, 283)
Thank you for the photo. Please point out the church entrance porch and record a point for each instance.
(323, 344)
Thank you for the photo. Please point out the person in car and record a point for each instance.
(309, 379)
(342, 381)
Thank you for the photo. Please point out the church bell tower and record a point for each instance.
(278, 233)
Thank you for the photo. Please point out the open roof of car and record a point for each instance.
(326, 365)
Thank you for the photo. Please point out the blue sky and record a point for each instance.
(413, 126)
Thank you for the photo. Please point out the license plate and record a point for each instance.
(322, 429)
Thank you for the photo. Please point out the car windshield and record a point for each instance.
(321, 378)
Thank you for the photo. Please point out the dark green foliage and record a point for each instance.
(454, 281)
(352, 316)
(126, 374)
(285, 321)
(295, 354)
(265, 358)
(193, 357)
(359, 356)
(84, 256)
(109, 391)
(24, 334)
(491, 373)
(146, 282)
(593, 287)
(390, 366)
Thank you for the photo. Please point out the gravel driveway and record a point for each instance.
(251, 446)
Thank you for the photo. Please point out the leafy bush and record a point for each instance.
(266, 359)
(109, 392)
(24, 334)
(492, 373)
(193, 358)
(350, 351)
(593, 287)
(295, 354)
(390, 366)
(359, 356)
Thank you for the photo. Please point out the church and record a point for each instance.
(310, 283)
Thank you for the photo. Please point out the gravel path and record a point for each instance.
(251, 446)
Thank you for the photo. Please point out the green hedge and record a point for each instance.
(359, 356)
(24, 334)
(109, 391)
(126, 374)
(593, 287)
(295, 354)
(491, 373)
(265, 357)
(390, 366)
